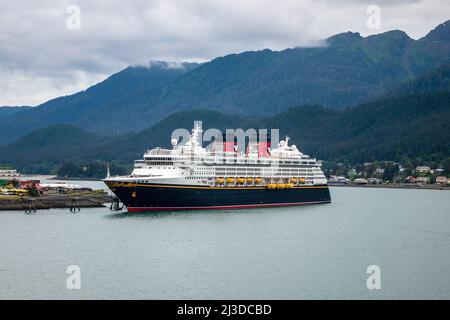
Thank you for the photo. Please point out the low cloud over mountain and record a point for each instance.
(40, 58)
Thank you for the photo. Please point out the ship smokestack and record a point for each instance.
(229, 143)
(260, 144)
(264, 149)
(264, 144)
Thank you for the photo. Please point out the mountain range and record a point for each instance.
(346, 71)
(414, 123)
(392, 102)
(7, 111)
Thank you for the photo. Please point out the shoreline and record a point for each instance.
(66, 201)
(75, 179)
(394, 186)
(14, 203)
(387, 186)
(53, 177)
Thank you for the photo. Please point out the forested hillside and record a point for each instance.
(8, 111)
(389, 129)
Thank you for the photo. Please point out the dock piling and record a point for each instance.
(30, 207)
(74, 207)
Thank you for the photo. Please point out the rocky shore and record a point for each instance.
(53, 201)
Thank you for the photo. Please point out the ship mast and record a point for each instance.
(195, 132)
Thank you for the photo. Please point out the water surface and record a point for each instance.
(310, 252)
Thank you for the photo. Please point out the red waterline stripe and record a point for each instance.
(242, 206)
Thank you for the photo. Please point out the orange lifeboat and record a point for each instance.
(230, 180)
(289, 185)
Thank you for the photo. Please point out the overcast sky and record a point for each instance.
(45, 53)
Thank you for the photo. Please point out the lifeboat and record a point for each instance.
(289, 185)
(302, 180)
(249, 180)
(240, 180)
(294, 180)
(281, 186)
(258, 180)
(271, 186)
(220, 180)
(230, 180)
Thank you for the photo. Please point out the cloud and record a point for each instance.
(41, 58)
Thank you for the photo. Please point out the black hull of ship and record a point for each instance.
(151, 197)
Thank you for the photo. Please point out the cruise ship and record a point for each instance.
(190, 177)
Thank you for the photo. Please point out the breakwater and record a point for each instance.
(53, 202)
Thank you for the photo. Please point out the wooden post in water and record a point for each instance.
(30, 207)
(74, 207)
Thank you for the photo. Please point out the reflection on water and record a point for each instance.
(122, 214)
(318, 251)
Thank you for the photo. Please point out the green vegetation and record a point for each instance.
(412, 131)
(32, 192)
(9, 111)
(437, 80)
(89, 169)
(389, 171)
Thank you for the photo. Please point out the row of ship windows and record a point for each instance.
(159, 163)
(227, 160)
(164, 168)
(264, 175)
(249, 171)
(265, 169)
(231, 169)
(196, 178)
(239, 169)
(223, 171)
(210, 179)
(168, 166)
(310, 174)
(268, 172)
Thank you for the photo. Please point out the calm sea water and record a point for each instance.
(311, 252)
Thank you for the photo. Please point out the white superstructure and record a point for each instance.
(191, 164)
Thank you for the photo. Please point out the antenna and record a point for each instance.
(195, 131)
